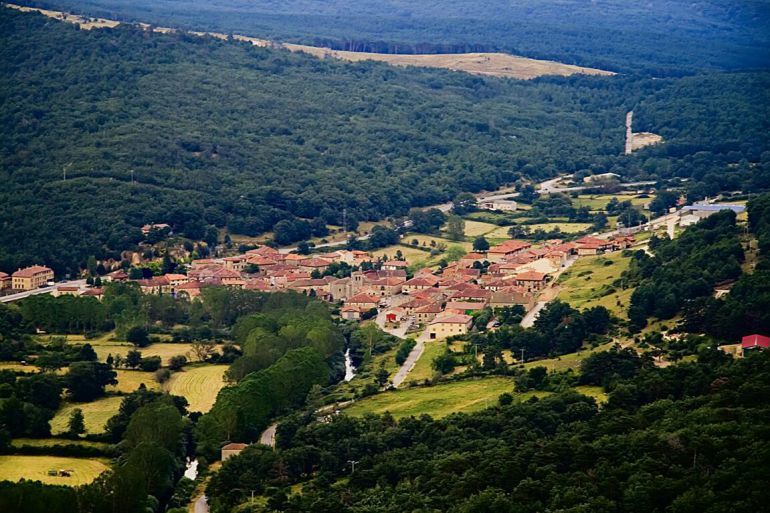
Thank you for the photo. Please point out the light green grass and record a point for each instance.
(199, 385)
(589, 281)
(96, 414)
(440, 400)
(597, 393)
(35, 468)
(563, 227)
(599, 201)
(422, 368)
(567, 361)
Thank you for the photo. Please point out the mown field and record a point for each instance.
(129, 381)
(35, 468)
(96, 414)
(422, 368)
(165, 350)
(56, 442)
(199, 385)
(589, 283)
(440, 400)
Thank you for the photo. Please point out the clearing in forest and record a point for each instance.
(96, 414)
(589, 282)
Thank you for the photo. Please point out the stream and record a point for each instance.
(350, 370)
(191, 470)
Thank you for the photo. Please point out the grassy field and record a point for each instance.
(440, 400)
(35, 468)
(17, 367)
(597, 393)
(589, 283)
(567, 361)
(564, 227)
(129, 380)
(199, 385)
(411, 254)
(96, 414)
(422, 369)
(476, 228)
(164, 350)
(599, 201)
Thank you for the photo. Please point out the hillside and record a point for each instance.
(489, 64)
(217, 133)
(660, 37)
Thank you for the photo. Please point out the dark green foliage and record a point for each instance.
(76, 424)
(150, 363)
(684, 269)
(661, 37)
(243, 410)
(480, 244)
(685, 438)
(606, 367)
(85, 381)
(404, 349)
(138, 336)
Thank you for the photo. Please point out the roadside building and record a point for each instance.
(363, 302)
(448, 325)
(506, 249)
(502, 205)
(426, 314)
(232, 449)
(350, 313)
(31, 277)
(66, 290)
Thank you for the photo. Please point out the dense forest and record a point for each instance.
(658, 37)
(687, 438)
(200, 133)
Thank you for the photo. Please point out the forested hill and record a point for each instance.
(657, 37)
(226, 134)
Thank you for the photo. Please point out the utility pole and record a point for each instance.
(132, 177)
(352, 465)
(345, 222)
(64, 170)
(522, 355)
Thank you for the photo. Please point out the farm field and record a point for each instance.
(199, 385)
(129, 381)
(589, 283)
(476, 228)
(599, 201)
(35, 468)
(411, 254)
(53, 442)
(96, 414)
(440, 400)
(564, 227)
(163, 349)
(18, 367)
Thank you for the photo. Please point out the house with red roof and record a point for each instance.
(31, 277)
(754, 342)
(531, 281)
(506, 249)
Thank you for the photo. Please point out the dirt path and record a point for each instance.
(409, 364)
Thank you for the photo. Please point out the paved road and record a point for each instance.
(529, 320)
(408, 365)
(268, 435)
(43, 290)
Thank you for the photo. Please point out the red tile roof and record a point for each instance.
(234, 447)
(31, 271)
(363, 299)
(530, 276)
(755, 341)
(452, 319)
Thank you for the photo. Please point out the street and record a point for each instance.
(43, 290)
